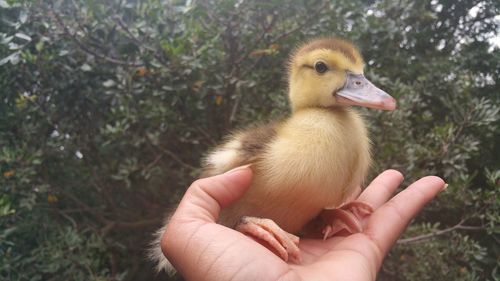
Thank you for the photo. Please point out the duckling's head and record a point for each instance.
(328, 73)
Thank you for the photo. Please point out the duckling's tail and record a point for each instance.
(156, 255)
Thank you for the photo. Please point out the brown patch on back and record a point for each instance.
(336, 44)
(253, 140)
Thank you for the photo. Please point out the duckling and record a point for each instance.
(308, 166)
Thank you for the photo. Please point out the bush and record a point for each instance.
(107, 107)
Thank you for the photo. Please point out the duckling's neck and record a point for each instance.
(328, 119)
(339, 109)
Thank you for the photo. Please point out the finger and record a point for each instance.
(390, 220)
(381, 188)
(206, 197)
(191, 231)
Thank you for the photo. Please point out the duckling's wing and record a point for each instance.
(241, 148)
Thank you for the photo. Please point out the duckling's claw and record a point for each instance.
(284, 244)
(347, 216)
(359, 208)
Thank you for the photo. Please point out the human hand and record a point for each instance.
(201, 249)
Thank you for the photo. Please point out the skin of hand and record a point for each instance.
(201, 249)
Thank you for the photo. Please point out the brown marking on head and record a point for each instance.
(334, 44)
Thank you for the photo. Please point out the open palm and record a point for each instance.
(200, 249)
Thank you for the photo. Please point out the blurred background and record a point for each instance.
(107, 106)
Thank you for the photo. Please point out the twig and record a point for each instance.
(153, 163)
(99, 187)
(454, 137)
(103, 190)
(471, 227)
(257, 42)
(130, 35)
(176, 158)
(207, 135)
(427, 236)
(139, 42)
(84, 206)
(69, 218)
(87, 50)
(239, 96)
(138, 224)
(251, 67)
(111, 225)
(314, 15)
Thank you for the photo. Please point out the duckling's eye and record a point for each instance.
(320, 67)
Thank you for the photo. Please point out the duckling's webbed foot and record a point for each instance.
(267, 232)
(346, 217)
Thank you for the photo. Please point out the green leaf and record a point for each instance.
(86, 67)
(12, 58)
(109, 83)
(4, 4)
(23, 36)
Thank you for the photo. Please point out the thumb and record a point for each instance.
(205, 198)
(201, 206)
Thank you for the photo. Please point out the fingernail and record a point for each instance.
(445, 186)
(238, 169)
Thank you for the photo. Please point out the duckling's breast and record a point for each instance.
(317, 159)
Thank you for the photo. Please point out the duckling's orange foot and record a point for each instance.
(346, 217)
(266, 231)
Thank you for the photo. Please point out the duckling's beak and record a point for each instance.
(358, 90)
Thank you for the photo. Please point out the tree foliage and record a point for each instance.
(107, 106)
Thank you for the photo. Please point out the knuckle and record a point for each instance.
(396, 209)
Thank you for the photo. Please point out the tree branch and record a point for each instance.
(420, 238)
(176, 158)
(307, 21)
(257, 42)
(153, 163)
(139, 42)
(454, 137)
(206, 134)
(86, 49)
